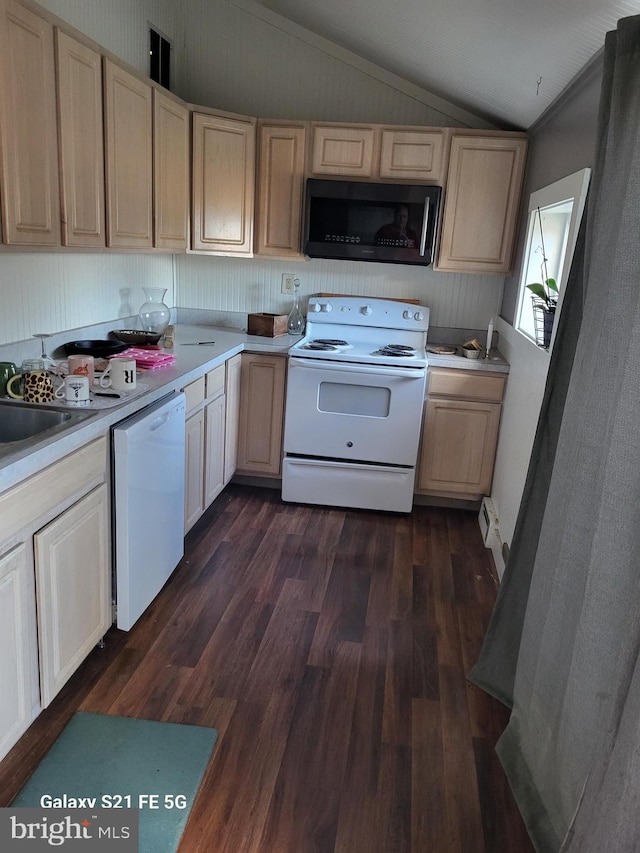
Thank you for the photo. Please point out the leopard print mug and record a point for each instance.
(37, 387)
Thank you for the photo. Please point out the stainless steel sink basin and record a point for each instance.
(23, 421)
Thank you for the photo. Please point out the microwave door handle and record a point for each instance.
(425, 225)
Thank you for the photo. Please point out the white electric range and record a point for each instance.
(355, 395)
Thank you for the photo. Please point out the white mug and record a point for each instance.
(74, 390)
(120, 374)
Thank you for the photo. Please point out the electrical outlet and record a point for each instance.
(287, 283)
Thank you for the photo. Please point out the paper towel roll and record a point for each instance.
(489, 335)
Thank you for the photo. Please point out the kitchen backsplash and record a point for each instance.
(55, 293)
(46, 292)
(247, 286)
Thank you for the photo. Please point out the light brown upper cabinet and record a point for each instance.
(412, 154)
(343, 150)
(81, 132)
(481, 202)
(171, 152)
(129, 159)
(28, 135)
(281, 154)
(223, 184)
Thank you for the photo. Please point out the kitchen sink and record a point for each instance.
(23, 421)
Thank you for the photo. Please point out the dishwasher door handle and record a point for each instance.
(158, 422)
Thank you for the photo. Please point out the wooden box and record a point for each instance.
(267, 325)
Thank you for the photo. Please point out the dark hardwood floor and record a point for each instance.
(329, 649)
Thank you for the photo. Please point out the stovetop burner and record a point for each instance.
(396, 351)
(399, 348)
(325, 344)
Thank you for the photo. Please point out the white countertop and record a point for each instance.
(191, 362)
(495, 363)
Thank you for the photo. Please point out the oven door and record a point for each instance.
(356, 412)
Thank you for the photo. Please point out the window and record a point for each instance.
(554, 216)
(159, 58)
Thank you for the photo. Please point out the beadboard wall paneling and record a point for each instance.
(122, 27)
(237, 61)
(231, 56)
(53, 292)
(232, 284)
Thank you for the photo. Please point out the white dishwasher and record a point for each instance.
(148, 504)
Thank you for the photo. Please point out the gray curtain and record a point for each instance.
(563, 646)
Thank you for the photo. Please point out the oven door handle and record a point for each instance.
(373, 370)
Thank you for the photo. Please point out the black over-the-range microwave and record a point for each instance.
(357, 221)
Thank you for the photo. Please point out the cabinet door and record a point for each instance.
(81, 142)
(261, 413)
(341, 150)
(128, 159)
(194, 469)
(232, 416)
(30, 189)
(73, 589)
(280, 186)
(412, 154)
(481, 203)
(214, 450)
(171, 172)
(223, 184)
(15, 660)
(458, 447)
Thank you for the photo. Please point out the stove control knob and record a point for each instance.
(367, 310)
(418, 316)
(315, 307)
(326, 307)
(407, 315)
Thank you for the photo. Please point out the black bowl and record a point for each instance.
(99, 349)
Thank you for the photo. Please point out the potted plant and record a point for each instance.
(545, 298)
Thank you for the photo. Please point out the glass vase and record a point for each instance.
(154, 314)
(295, 322)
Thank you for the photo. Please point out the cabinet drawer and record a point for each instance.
(339, 150)
(467, 384)
(215, 382)
(24, 503)
(194, 392)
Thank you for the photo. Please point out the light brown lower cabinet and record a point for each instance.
(55, 582)
(262, 389)
(194, 468)
(460, 433)
(17, 658)
(211, 437)
(232, 415)
(73, 589)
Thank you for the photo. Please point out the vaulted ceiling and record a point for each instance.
(506, 60)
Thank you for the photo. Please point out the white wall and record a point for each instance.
(563, 143)
(42, 292)
(121, 26)
(525, 388)
(230, 284)
(239, 57)
(244, 58)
